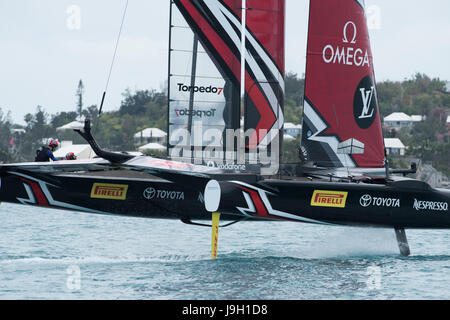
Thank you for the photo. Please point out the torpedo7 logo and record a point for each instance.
(184, 88)
(196, 113)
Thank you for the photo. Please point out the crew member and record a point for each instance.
(71, 156)
(45, 153)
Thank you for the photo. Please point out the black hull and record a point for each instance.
(408, 204)
(70, 192)
(394, 205)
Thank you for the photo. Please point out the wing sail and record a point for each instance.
(264, 71)
(340, 93)
(204, 75)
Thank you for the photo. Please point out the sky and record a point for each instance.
(47, 46)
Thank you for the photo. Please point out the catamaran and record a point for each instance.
(221, 50)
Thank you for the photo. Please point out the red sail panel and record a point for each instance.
(266, 20)
(341, 106)
(264, 69)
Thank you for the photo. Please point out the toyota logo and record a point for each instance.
(365, 200)
(149, 193)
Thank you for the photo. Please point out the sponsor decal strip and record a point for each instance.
(196, 113)
(347, 54)
(332, 199)
(260, 199)
(109, 191)
(430, 205)
(367, 201)
(202, 89)
(152, 193)
(227, 166)
(48, 196)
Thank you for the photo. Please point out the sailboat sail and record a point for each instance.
(205, 76)
(264, 70)
(341, 120)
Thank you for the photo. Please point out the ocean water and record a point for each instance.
(52, 254)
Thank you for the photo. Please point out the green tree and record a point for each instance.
(293, 100)
(7, 141)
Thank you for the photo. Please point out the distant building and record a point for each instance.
(294, 130)
(394, 147)
(288, 137)
(18, 131)
(447, 86)
(152, 147)
(399, 120)
(150, 135)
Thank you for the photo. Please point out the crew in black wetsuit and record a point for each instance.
(45, 153)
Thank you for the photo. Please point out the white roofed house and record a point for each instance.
(399, 120)
(394, 147)
(293, 130)
(150, 135)
(153, 146)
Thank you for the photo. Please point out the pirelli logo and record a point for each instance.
(334, 199)
(109, 191)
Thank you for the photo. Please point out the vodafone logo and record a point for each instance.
(348, 54)
(227, 166)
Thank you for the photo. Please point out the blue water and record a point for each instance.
(51, 254)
